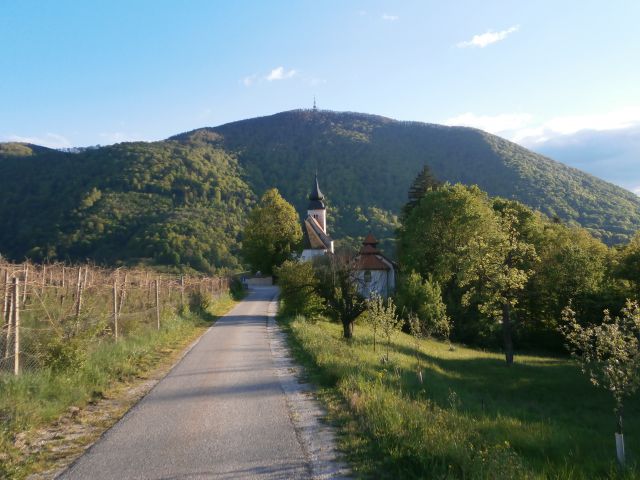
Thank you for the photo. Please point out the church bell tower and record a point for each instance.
(317, 208)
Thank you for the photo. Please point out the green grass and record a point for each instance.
(471, 418)
(39, 397)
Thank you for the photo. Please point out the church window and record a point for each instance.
(367, 276)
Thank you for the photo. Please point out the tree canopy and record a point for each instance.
(272, 233)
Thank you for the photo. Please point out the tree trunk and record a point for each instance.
(347, 328)
(620, 453)
(506, 334)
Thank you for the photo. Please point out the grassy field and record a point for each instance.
(37, 398)
(471, 418)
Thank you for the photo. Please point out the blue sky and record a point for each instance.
(559, 77)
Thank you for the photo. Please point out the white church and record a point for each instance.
(373, 272)
(316, 240)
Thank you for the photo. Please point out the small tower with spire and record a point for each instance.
(317, 208)
(316, 240)
(315, 108)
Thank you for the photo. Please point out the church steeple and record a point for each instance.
(316, 197)
(316, 208)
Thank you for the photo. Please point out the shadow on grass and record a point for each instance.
(543, 406)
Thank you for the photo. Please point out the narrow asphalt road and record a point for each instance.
(220, 413)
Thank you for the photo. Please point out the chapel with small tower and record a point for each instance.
(316, 239)
(373, 273)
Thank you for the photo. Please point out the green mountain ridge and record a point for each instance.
(183, 201)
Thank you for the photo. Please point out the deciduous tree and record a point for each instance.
(339, 288)
(272, 234)
(298, 289)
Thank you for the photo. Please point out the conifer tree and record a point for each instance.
(424, 182)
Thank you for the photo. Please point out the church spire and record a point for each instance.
(316, 194)
(315, 108)
(316, 197)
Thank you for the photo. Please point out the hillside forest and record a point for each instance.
(182, 203)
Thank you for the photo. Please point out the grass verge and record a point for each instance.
(472, 417)
(40, 399)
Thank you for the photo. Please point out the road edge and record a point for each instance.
(144, 387)
(317, 439)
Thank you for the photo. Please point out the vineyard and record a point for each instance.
(51, 314)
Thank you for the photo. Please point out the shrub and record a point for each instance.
(298, 285)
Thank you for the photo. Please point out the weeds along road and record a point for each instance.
(220, 413)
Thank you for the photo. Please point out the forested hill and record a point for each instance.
(183, 201)
(370, 161)
(162, 202)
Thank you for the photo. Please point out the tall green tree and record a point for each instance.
(424, 182)
(499, 266)
(272, 234)
(629, 264)
(439, 238)
(436, 236)
(422, 299)
(573, 267)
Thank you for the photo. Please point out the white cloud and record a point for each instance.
(621, 118)
(390, 18)
(491, 123)
(488, 38)
(51, 140)
(279, 73)
(521, 127)
(605, 144)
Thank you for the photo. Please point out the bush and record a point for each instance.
(298, 285)
(199, 302)
(65, 353)
(237, 289)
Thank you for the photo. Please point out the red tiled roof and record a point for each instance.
(370, 240)
(369, 249)
(371, 262)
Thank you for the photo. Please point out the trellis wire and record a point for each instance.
(44, 304)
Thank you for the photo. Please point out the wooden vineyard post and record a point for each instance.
(79, 294)
(115, 307)
(9, 322)
(16, 325)
(148, 287)
(123, 292)
(26, 279)
(5, 298)
(181, 291)
(157, 304)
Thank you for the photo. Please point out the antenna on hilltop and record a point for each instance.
(315, 108)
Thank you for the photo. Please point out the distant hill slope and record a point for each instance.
(161, 202)
(367, 160)
(183, 201)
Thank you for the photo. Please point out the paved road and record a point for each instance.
(220, 413)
